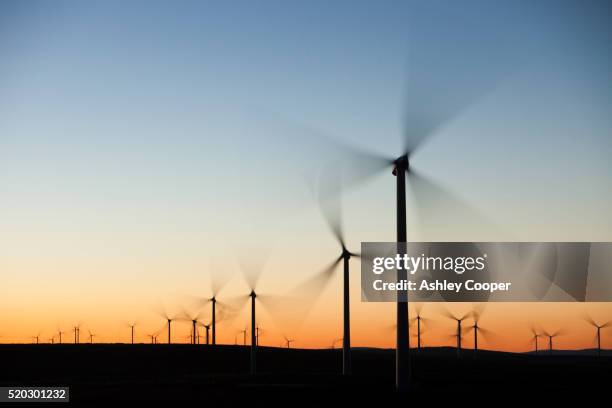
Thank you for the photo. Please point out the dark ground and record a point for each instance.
(184, 373)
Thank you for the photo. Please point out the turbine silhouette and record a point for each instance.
(459, 319)
(419, 319)
(194, 318)
(535, 337)
(551, 336)
(598, 327)
(447, 74)
(329, 204)
(476, 314)
(132, 325)
(288, 342)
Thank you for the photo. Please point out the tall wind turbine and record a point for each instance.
(60, 332)
(598, 327)
(450, 68)
(91, 337)
(329, 204)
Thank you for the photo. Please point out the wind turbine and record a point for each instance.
(164, 314)
(244, 333)
(459, 319)
(194, 318)
(418, 319)
(288, 342)
(37, 337)
(535, 339)
(477, 329)
(447, 73)
(551, 336)
(252, 271)
(91, 337)
(598, 334)
(207, 327)
(77, 333)
(132, 325)
(60, 332)
(329, 204)
(217, 281)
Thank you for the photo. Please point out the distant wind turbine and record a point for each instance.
(77, 333)
(194, 318)
(288, 342)
(551, 336)
(166, 316)
(132, 325)
(598, 333)
(477, 329)
(458, 333)
(535, 335)
(418, 319)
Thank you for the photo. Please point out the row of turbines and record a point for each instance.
(461, 330)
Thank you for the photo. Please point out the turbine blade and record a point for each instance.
(330, 186)
(311, 289)
(252, 262)
(355, 164)
(589, 320)
(450, 69)
(219, 275)
(436, 206)
(448, 314)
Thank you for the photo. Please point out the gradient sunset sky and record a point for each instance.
(144, 143)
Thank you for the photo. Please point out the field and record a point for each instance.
(185, 373)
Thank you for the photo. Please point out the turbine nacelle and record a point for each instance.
(401, 164)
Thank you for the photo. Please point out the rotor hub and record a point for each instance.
(400, 164)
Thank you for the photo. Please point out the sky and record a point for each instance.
(145, 144)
